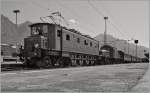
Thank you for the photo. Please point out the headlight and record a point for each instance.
(28, 58)
(36, 45)
(35, 54)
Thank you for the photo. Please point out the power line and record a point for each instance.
(95, 8)
(74, 14)
(63, 6)
(100, 13)
(39, 5)
(116, 27)
(112, 17)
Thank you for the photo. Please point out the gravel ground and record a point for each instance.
(108, 78)
(143, 84)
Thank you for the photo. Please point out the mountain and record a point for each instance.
(122, 45)
(10, 34)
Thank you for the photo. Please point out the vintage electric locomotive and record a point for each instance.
(54, 45)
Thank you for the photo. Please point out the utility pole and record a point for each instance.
(136, 42)
(16, 12)
(128, 46)
(124, 46)
(105, 33)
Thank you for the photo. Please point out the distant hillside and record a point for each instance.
(10, 34)
(122, 45)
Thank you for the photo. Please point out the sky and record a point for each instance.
(127, 19)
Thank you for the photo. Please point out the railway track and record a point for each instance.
(13, 66)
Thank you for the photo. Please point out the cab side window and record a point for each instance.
(58, 33)
(78, 40)
(85, 42)
(90, 44)
(67, 37)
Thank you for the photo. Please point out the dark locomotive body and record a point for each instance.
(53, 45)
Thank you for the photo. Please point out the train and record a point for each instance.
(51, 45)
(111, 55)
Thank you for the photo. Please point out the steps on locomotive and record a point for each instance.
(11, 64)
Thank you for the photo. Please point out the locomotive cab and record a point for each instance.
(58, 46)
(37, 39)
(40, 33)
(41, 44)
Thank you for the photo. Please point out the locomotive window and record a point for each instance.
(78, 40)
(36, 30)
(45, 29)
(73, 36)
(45, 44)
(67, 37)
(58, 33)
(96, 46)
(91, 44)
(85, 42)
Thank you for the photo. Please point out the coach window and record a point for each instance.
(58, 33)
(67, 37)
(78, 40)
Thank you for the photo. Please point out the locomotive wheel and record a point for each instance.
(81, 62)
(60, 62)
(40, 64)
(78, 62)
(34, 62)
(92, 62)
(73, 62)
(84, 63)
(67, 61)
(27, 63)
(87, 62)
(64, 62)
(47, 62)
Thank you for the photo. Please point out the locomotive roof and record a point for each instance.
(108, 46)
(40, 23)
(71, 30)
